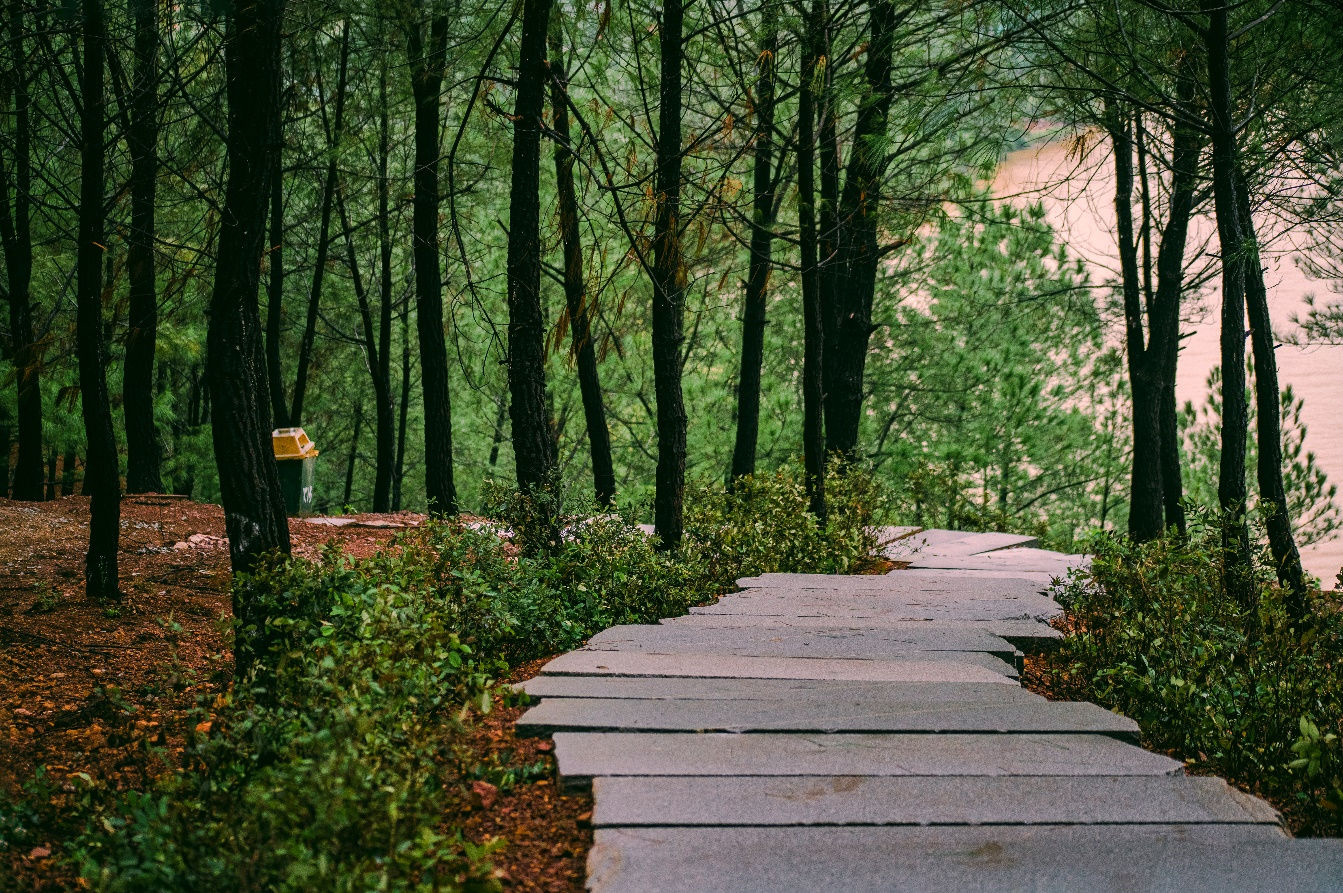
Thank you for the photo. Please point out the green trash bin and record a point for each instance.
(297, 457)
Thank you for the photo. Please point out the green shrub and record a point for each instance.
(1155, 639)
(762, 524)
(327, 767)
(331, 776)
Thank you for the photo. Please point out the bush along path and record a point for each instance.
(869, 733)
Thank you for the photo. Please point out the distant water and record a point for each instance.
(1082, 211)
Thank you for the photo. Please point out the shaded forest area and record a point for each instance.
(449, 239)
(731, 268)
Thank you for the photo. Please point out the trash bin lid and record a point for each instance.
(292, 443)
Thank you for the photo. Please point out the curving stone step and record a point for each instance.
(818, 692)
(813, 715)
(921, 667)
(966, 859)
(581, 756)
(857, 800)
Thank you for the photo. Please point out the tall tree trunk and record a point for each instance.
(1236, 557)
(1145, 507)
(669, 283)
(533, 436)
(828, 218)
(143, 453)
(856, 243)
(584, 347)
(353, 457)
(1272, 489)
(426, 63)
(758, 267)
(102, 480)
(1186, 146)
(17, 239)
(324, 230)
(279, 406)
(813, 394)
(249, 481)
(403, 412)
(68, 462)
(380, 360)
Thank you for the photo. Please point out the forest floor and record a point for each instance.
(87, 688)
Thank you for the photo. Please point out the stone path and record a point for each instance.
(868, 733)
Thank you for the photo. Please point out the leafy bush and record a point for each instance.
(332, 776)
(1155, 639)
(762, 524)
(327, 767)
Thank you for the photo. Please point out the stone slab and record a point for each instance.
(908, 580)
(873, 644)
(1008, 562)
(724, 651)
(987, 859)
(632, 663)
(874, 695)
(1030, 636)
(854, 800)
(584, 755)
(955, 542)
(927, 606)
(804, 715)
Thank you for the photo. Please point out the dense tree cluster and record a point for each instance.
(762, 233)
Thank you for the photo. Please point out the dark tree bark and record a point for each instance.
(324, 231)
(354, 455)
(669, 283)
(68, 462)
(1146, 519)
(856, 253)
(1236, 557)
(403, 409)
(1268, 416)
(813, 394)
(52, 459)
(758, 267)
(143, 451)
(426, 64)
(279, 406)
(533, 436)
(1186, 146)
(102, 478)
(17, 239)
(380, 361)
(240, 423)
(584, 348)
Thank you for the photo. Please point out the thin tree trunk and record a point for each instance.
(143, 451)
(68, 462)
(1272, 489)
(324, 232)
(575, 286)
(249, 480)
(813, 395)
(279, 406)
(403, 410)
(353, 457)
(102, 479)
(381, 361)
(533, 437)
(856, 242)
(669, 282)
(52, 459)
(758, 267)
(1145, 507)
(1165, 314)
(17, 239)
(426, 64)
(1237, 561)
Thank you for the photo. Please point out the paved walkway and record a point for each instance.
(869, 733)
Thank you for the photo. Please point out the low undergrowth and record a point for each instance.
(1260, 703)
(329, 767)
